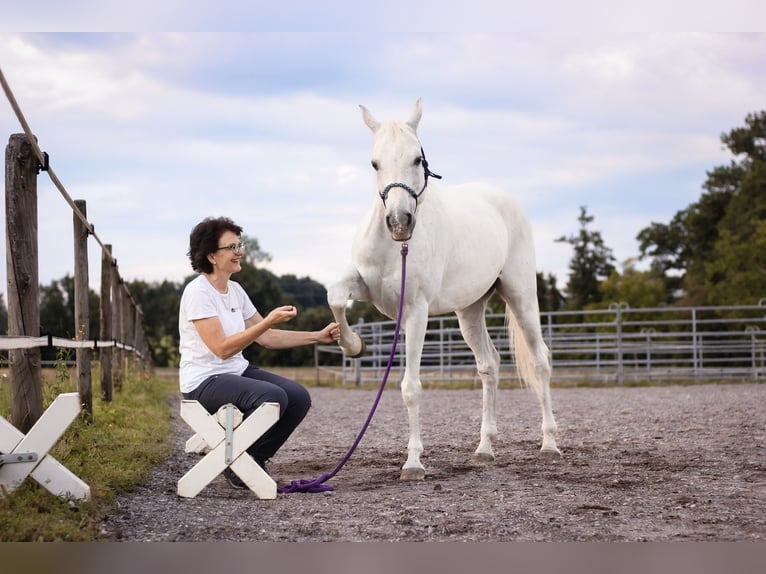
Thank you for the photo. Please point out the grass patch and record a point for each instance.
(113, 454)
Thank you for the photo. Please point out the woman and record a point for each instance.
(217, 321)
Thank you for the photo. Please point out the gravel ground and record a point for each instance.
(674, 463)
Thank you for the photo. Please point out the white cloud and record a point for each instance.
(157, 131)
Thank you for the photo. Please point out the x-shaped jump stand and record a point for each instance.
(226, 436)
(23, 456)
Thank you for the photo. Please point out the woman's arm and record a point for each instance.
(212, 334)
(284, 339)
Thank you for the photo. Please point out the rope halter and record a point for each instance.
(415, 194)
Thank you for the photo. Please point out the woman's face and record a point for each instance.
(228, 256)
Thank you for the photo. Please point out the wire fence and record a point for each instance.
(614, 345)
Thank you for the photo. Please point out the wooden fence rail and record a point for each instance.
(121, 336)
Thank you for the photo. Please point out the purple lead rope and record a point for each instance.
(317, 484)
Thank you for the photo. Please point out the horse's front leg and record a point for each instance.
(474, 329)
(350, 287)
(415, 328)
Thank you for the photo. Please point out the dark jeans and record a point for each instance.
(250, 390)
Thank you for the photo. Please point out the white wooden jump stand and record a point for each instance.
(225, 437)
(23, 456)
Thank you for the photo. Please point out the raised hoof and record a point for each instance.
(482, 459)
(413, 474)
(361, 352)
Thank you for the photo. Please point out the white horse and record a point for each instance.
(468, 243)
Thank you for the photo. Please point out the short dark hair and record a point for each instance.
(203, 241)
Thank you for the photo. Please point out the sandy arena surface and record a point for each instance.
(667, 463)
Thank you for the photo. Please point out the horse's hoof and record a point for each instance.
(550, 453)
(362, 351)
(413, 474)
(482, 459)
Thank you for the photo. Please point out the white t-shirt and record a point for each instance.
(201, 300)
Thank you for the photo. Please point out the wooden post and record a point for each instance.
(132, 330)
(117, 327)
(21, 166)
(81, 311)
(137, 334)
(105, 323)
(126, 331)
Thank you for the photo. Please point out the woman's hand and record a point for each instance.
(329, 334)
(281, 315)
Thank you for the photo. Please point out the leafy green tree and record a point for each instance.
(549, 298)
(366, 312)
(668, 248)
(160, 303)
(263, 289)
(253, 252)
(57, 309)
(748, 141)
(57, 312)
(305, 291)
(709, 241)
(591, 263)
(311, 319)
(636, 288)
(737, 273)
(548, 295)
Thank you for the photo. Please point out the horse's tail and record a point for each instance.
(525, 361)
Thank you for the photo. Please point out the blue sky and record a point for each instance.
(158, 130)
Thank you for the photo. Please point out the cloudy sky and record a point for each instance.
(158, 130)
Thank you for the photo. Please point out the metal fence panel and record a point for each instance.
(612, 345)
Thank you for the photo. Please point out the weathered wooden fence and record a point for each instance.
(120, 342)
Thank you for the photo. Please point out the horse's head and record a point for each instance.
(401, 170)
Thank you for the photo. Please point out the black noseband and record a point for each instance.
(426, 172)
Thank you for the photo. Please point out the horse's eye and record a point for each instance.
(418, 161)
(374, 165)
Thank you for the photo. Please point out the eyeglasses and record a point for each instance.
(234, 247)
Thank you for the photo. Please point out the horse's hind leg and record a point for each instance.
(532, 357)
(474, 329)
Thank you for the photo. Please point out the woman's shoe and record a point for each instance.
(232, 478)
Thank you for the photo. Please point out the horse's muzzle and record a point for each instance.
(400, 227)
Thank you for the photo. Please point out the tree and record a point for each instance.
(306, 292)
(591, 263)
(57, 312)
(709, 240)
(253, 252)
(160, 303)
(57, 309)
(548, 295)
(262, 288)
(636, 288)
(737, 273)
(668, 248)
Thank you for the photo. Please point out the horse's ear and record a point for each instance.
(417, 112)
(371, 122)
